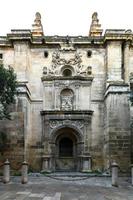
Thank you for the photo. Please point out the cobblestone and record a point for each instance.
(46, 188)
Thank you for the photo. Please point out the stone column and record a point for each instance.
(6, 172)
(127, 64)
(86, 164)
(114, 167)
(132, 174)
(24, 171)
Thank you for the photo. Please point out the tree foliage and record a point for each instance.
(8, 85)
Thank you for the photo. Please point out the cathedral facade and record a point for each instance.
(72, 110)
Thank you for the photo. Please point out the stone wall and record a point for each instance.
(117, 136)
(12, 147)
(103, 90)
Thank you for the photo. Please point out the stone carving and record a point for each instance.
(56, 123)
(56, 60)
(37, 28)
(66, 102)
(38, 19)
(67, 99)
(58, 63)
(89, 70)
(78, 124)
(45, 70)
(95, 18)
(128, 31)
(95, 28)
(80, 70)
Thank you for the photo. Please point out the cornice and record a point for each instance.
(26, 35)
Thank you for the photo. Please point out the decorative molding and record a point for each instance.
(56, 60)
(114, 88)
(58, 113)
(75, 63)
(56, 123)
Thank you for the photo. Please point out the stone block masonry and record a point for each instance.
(72, 110)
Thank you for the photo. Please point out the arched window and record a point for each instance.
(67, 99)
(67, 72)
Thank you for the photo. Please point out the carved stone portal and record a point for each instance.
(64, 133)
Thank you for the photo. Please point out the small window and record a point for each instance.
(45, 54)
(67, 72)
(1, 56)
(89, 53)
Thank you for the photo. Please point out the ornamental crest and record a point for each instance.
(58, 62)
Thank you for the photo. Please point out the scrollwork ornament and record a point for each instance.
(78, 124)
(54, 124)
(76, 62)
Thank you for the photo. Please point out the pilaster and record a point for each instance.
(117, 137)
(114, 61)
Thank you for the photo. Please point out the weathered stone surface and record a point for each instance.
(69, 87)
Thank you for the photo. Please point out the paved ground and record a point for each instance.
(66, 188)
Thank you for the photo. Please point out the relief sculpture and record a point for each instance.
(56, 60)
(67, 99)
(58, 63)
(56, 123)
(67, 103)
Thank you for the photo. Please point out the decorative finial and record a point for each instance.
(95, 28)
(37, 28)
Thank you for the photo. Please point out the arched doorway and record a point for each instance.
(66, 149)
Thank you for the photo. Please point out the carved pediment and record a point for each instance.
(74, 62)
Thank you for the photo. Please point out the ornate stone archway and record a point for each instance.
(66, 147)
(62, 128)
(63, 139)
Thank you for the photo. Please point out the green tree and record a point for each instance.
(8, 85)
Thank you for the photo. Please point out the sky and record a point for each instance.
(65, 17)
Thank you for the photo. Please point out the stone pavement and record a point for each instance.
(66, 188)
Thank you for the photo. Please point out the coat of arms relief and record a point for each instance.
(58, 62)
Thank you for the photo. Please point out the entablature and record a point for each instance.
(69, 114)
(70, 41)
(80, 78)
